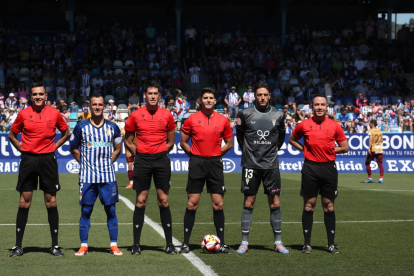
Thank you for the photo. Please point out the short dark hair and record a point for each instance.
(374, 122)
(152, 84)
(261, 84)
(319, 96)
(97, 95)
(206, 90)
(36, 84)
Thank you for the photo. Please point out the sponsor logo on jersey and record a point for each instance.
(98, 144)
(262, 134)
(73, 166)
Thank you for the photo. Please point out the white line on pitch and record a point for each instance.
(195, 261)
(228, 188)
(227, 223)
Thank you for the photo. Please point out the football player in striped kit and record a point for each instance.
(96, 145)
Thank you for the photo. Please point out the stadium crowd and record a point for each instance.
(356, 68)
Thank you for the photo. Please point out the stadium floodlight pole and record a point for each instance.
(71, 6)
(178, 9)
(284, 12)
(284, 5)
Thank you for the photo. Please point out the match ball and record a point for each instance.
(210, 244)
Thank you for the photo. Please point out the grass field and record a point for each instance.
(374, 232)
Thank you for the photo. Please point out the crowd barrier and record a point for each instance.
(398, 156)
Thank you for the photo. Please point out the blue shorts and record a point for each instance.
(108, 193)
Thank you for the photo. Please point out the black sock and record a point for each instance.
(218, 217)
(189, 219)
(138, 221)
(21, 221)
(330, 221)
(165, 215)
(307, 222)
(53, 217)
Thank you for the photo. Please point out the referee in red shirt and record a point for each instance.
(38, 124)
(207, 129)
(154, 129)
(319, 174)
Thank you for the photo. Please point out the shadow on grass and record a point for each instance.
(299, 247)
(124, 249)
(234, 247)
(27, 250)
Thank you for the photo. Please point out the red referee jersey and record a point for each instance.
(39, 129)
(151, 130)
(207, 133)
(319, 139)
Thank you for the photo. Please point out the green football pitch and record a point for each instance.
(375, 225)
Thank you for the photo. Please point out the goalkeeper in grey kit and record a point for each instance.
(260, 134)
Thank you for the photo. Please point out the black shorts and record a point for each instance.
(190, 42)
(319, 178)
(147, 166)
(205, 170)
(38, 168)
(251, 179)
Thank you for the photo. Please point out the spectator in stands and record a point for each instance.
(356, 116)
(195, 79)
(65, 114)
(22, 92)
(284, 75)
(173, 109)
(331, 111)
(110, 106)
(248, 97)
(344, 119)
(186, 110)
(22, 105)
(307, 110)
(86, 114)
(190, 37)
(121, 93)
(406, 121)
(62, 104)
(114, 116)
(179, 82)
(73, 107)
(150, 32)
(232, 101)
(11, 102)
(291, 102)
(10, 119)
(2, 119)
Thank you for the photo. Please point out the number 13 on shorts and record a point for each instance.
(248, 175)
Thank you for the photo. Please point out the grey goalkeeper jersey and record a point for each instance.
(260, 135)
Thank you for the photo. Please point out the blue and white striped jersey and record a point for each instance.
(96, 146)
